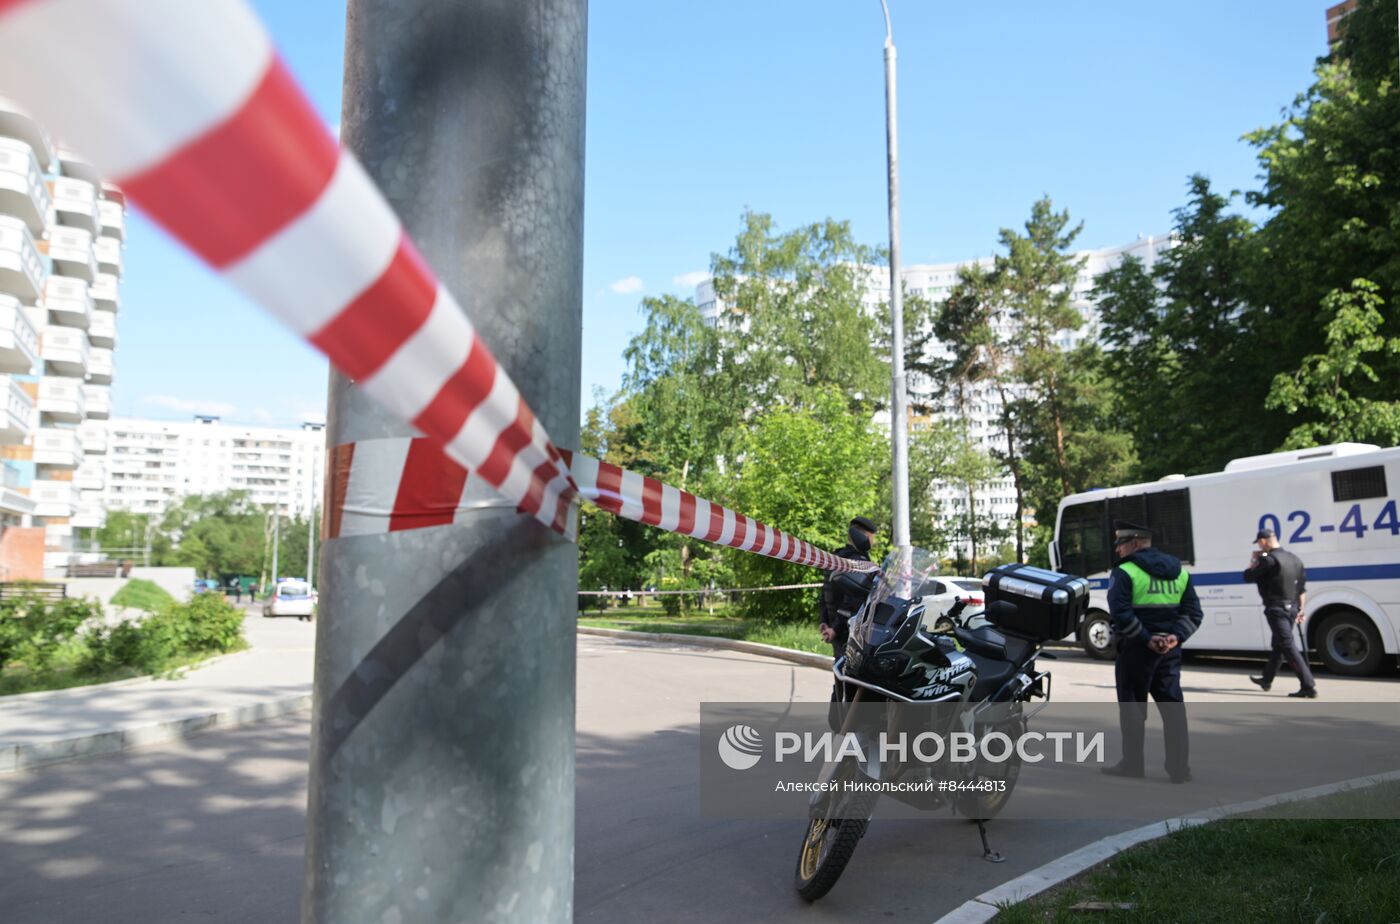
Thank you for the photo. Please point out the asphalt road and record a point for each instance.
(211, 828)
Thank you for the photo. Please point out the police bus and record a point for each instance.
(1333, 506)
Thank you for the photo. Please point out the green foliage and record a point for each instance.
(1327, 383)
(53, 644)
(808, 471)
(142, 595)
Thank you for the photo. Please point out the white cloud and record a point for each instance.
(189, 406)
(690, 280)
(628, 285)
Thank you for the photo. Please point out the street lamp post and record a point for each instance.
(899, 421)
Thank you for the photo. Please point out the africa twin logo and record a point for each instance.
(740, 747)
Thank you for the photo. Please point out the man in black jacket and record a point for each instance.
(837, 605)
(1154, 608)
(1283, 586)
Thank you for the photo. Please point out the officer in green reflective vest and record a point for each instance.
(1153, 608)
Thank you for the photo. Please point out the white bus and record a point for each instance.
(1333, 506)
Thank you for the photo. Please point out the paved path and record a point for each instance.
(278, 666)
(212, 827)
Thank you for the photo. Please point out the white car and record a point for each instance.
(940, 593)
(291, 598)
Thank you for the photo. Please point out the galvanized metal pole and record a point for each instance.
(899, 400)
(442, 765)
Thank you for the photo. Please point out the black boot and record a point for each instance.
(1304, 693)
(1261, 683)
(1123, 768)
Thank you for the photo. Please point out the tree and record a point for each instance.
(216, 534)
(797, 324)
(1181, 336)
(1327, 383)
(809, 471)
(979, 368)
(945, 454)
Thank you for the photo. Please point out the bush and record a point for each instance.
(44, 644)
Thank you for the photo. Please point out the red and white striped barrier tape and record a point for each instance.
(700, 591)
(387, 485)
(186, 105)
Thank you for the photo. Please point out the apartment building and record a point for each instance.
(981, 410)
(61, 237)
(151, 464)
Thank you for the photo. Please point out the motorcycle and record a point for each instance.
(978, 664)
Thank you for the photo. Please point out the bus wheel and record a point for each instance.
(1096, 636)
(1349, 644)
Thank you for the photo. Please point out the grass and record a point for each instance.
(142, 594)
(800, 636)
(1292, 869)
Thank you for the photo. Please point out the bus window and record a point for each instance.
(1169, 518)
(1084, 539)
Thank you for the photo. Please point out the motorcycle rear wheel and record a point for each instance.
(827, 848)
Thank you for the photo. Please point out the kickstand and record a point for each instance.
(988, 854)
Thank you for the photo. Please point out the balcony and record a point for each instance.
(75, 165)
(23, 192)
(100, 366)
(92, 436)
(58, 535)
(65, 350)
(91, 475)
(16, 414)
(62, 399)
(113, 217)
(98, 399)
(16, 123)
(109, 255)
(68, 301)
(102, 332)
(104, 292)
(52, 498)
(19, 341)
(21, 267)
(75, 203)
(56, 447)
(70, 249)
(13, 484)
(89, 513)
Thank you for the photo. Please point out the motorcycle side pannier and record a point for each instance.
(1049, 605)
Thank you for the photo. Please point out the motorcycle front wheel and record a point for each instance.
(827, 848)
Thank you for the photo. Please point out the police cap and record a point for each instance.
(1122, 529)
(866, 524)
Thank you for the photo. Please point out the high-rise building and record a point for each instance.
(151, 464)
(981, 410)
(61, 236)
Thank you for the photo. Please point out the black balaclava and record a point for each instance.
(859, 538)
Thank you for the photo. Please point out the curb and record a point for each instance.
(805, 658)
(17, 757)
(986, 906)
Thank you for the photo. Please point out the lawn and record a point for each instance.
(141, 594)
(1296, 869)
(801, 636)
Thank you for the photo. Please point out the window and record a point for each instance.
(1358, 483)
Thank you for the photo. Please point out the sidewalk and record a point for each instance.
(270, 679)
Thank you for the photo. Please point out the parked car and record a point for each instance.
(291, 598)
(203, 586)
(940, 593)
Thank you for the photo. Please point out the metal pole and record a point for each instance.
(442, 757)
(899, 419)
(276, 540)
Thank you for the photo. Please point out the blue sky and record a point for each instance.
(699, 110)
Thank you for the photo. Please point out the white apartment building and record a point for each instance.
(61, 236)
(934, 281)
(152, 464)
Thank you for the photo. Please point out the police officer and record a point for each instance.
(1283, 586)
(838, 604)
(1154, 609)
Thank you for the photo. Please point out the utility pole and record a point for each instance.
(899, 401)
(442, 755)
(276, 540)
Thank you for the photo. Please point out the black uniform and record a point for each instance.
(838, 605)
(1160, 600)
(1281, 579)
